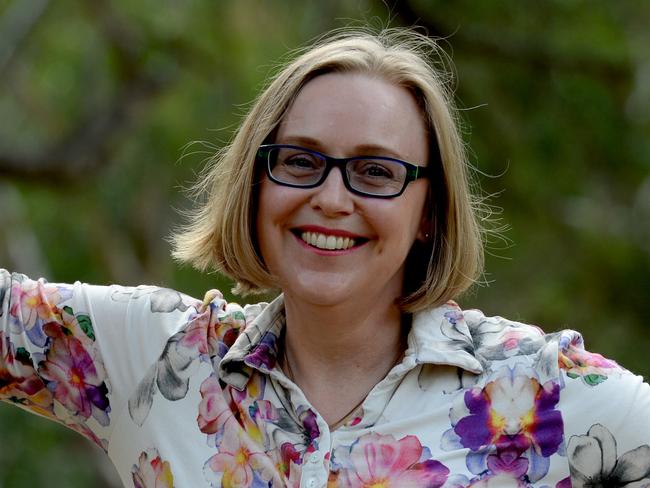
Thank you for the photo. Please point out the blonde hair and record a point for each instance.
(220, 233)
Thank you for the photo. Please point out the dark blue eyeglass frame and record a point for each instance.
(413, 171)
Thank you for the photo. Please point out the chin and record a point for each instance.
(321, 292)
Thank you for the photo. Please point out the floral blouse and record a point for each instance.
(185, 393)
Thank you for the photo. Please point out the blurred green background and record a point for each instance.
(99, 99)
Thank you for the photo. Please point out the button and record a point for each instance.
(312, 483)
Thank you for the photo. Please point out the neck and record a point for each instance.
(337, 354)
(343, 333)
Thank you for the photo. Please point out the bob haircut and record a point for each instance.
(220, 232)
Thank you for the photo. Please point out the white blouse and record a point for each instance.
(185, 393)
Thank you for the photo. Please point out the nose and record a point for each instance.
(332, 197)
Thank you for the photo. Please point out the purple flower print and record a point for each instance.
(510, 425)
(512, 406)
(265, 353)
(505, 468)
(308, 419)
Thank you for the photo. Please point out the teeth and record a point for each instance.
(323, 241)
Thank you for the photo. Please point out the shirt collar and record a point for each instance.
(438, 336)
(257, 345)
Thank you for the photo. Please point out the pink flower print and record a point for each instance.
(219, 406)
(152, 472)
(287, 461)
(86, 432)
(592, 368)
(288, 456)
(19, 382)
(512, 339)
(210, 333)
(74, 374)
(376, 460)
(194, 339)
(213, 409)
(34, 302)
(239, 464)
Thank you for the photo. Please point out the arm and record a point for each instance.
(607, 420)
(73, 353)
(49, 360)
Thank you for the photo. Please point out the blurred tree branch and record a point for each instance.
(499, 46)
(16, 25)
(86, 147)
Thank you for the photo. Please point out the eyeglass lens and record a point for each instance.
(367, 175)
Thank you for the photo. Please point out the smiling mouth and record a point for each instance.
(327, 242)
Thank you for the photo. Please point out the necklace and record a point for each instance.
(342, 420)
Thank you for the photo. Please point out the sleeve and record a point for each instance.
(73, 353)
(606, 412)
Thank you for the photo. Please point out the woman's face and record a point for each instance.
(344, 115)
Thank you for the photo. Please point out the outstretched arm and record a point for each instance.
(50, 362)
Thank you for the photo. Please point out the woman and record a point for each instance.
(346, 188)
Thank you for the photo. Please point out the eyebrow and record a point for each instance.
(360, 150)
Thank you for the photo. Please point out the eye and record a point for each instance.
(377, 171)
(374, 169)
(376, 176)
(303, 161)
(297, 166)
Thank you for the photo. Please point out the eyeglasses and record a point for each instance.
(371, 176)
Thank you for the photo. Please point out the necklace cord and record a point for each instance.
(286, 368)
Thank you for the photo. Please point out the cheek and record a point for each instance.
(275, 204)
(263, 219)
(275, 207)
(403, 222)
(268, 205)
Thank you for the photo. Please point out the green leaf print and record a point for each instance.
(22, 355)
(86, 325)
(594, 379)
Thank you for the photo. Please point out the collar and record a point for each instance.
(438, 336)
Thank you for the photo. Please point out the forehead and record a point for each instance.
(343, 113)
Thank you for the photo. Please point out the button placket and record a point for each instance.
(313, 472)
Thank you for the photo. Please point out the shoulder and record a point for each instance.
(584, 379)
(498, 339)
(606, 415)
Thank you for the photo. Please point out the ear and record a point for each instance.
(426, 229)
